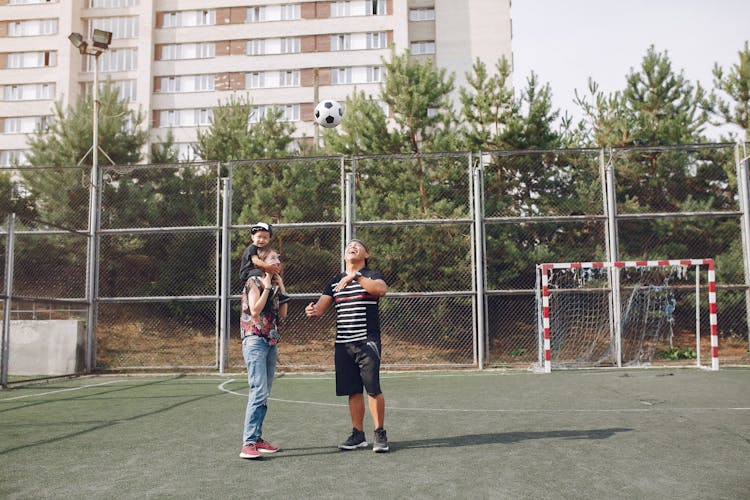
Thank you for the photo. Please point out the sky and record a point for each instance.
(567, 41)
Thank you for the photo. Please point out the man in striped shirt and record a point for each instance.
(355, 294)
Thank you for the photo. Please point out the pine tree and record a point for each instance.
(230, 136)
(487, 105)
(363, 130)
(66, 141)
(735, 85)
(418, 97)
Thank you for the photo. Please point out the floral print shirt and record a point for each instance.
(266, 324)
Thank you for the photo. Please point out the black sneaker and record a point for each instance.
(381, 441)
(356, 440)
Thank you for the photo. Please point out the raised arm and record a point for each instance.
(317, 309)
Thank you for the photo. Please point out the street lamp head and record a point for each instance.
(78, 42)
(101, 39)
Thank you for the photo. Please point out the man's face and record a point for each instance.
(261, 238)
(355, 251)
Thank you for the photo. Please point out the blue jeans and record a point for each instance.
(260, 359)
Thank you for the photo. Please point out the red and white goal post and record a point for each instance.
(624, 313)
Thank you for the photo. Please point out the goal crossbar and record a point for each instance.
(544, 270)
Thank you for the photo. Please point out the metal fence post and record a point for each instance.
(351, 208)
(613, 253)
(92, 265)
(217, 265)
(9, 252)
(225, 271)
(479, 259)
(744, 195)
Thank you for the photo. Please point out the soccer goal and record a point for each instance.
(626, 313)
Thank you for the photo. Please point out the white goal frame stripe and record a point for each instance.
(545, 268)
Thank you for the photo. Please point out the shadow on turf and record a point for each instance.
(469, 440)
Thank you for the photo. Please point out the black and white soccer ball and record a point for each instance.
(328, 113)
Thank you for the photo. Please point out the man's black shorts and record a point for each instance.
(357, 367)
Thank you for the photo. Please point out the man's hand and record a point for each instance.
(344, 281)
(311, 310)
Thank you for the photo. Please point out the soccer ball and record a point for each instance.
(328, 113)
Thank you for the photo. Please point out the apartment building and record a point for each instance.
(177, 59)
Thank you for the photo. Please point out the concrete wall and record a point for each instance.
(46, 347)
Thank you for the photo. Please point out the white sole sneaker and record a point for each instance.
(363, 444)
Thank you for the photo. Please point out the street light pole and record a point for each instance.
(100, 42)
(93, 246)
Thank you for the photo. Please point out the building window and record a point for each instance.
(421, 48)
(9, 157)
(23, 124)
(34, 27)
(113, 60)
(289, 112)
(357, 74)
(255, 80)
(375, 7)
(188, 51)
(377, 40)
(422, 14)
(359, 41)
(187, 151)
(185, 117)
(375, 74)
(264, 46)
(341, 9)
(341, 76)
(289, 78)
(189, 18)
(32, 59)
(29, 92)
(26, 2)
(126, 89)
(358, 8)
(120, 27)
(267, 13)
(111, 4)
(341, 42)
(272, 79)
(187, 83)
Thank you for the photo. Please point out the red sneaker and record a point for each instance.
(250, 450)
(264, 446)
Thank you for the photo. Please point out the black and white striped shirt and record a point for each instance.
(357, 314)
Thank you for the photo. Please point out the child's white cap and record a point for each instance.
(261, 226)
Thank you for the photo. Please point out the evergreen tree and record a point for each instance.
(532, 130)
(418, 96)
(165, 151)
(363, 130)
(735, 85)
(657, 107)
(487, 105)
(66, 140)
(11, 201)
(230, 135)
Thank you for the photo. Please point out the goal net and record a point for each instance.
(625, 313)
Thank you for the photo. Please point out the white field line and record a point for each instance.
(58, 391)
(222, 387)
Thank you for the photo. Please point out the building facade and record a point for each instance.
(177, 59)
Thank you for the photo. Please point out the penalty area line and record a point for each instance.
(315, 403)
(222, 388)
(59, 391)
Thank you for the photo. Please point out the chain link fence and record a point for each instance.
(457, 236)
